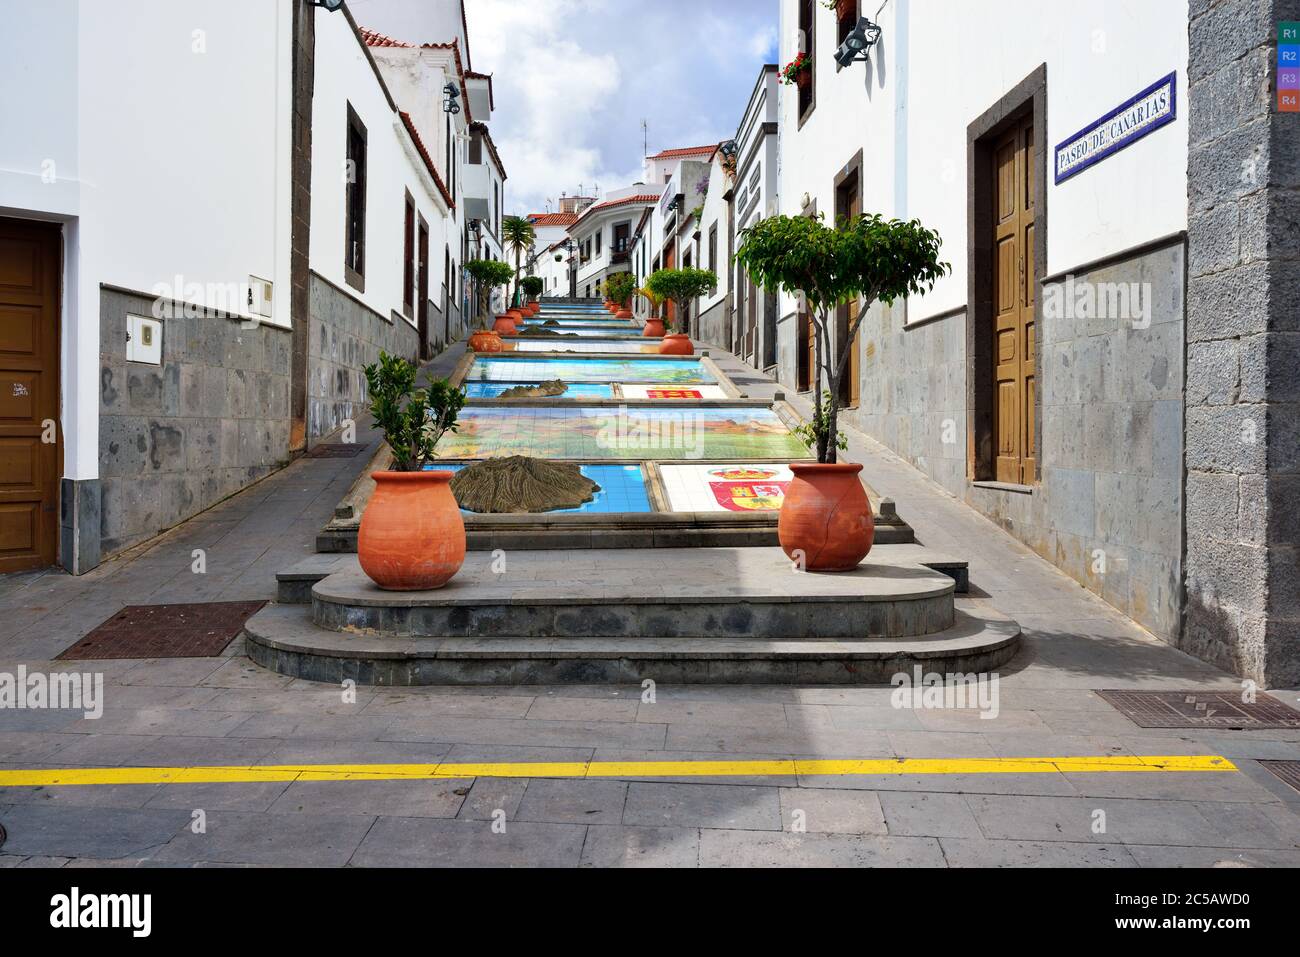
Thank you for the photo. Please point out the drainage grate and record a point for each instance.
(334, 451)
(1287, 772)
(200, 630)
(1201, 709)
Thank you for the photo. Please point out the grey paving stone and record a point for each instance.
(1004, 784)
(826, 811)
(548, 708)
(306, 752)
(702, 805)
(65, 830)
(1071, 819)
(103, 795)
(812, 742)
(415, 703)
(257, 796)
(426, 798)
(332, 727)
(561, 734)
(427, 842)
(731, 848)
(564, 801)
(712, 714)
(304, 840)
(242, 673)
(159, 721)
(1165, 856)
(928, 744)
(922, 814)
(487, 798)
(964, 852)
(641, 847)
(179, 672)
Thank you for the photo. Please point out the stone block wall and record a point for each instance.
(175, 439)
(1243, 350)
(345, 337)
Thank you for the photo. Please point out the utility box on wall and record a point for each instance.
(143, 340)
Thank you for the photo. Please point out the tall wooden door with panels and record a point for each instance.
(1014, 345)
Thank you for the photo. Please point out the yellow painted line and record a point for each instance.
(258, 774)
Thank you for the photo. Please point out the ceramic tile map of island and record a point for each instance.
(658, 371)
(622, 489)
(635, 434)
(725, 488)
(606, 346)
(575, 390)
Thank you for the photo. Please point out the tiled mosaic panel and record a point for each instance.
(603, 346)
(589, 332)
(622, 489)
(665, 371)
(631, 391)
(725, 488)
(594, 433)
(576, 390)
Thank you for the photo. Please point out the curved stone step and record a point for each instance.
(284, 639)
(677, 593)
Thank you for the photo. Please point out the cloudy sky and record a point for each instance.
(574, 79)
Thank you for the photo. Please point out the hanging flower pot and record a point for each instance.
(412, 536)
(654, 329)
(825, 521)
(676, 344)
(486, 341)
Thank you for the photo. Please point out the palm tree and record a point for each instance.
(519, 235)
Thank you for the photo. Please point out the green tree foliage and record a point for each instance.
(489, 274)
(619, 287)
(682, 286)
(518, 235)
(413, 420)
(532, 286)
(867, 258)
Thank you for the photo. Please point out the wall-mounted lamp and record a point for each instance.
(857, 46)
(451, 93)
(331, 5)
(729, 148)
(672, 207)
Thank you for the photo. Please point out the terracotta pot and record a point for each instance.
(676, 344)
(484, 341)
(534, 307)
(412, 537)
(623, 313)
(654, 328)
(826, 518)
(505, 326)
(803, 78)
(517, 315)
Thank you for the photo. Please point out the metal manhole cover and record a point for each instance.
(1201, 709)
(334, 451)
(199, 630)
(1288, 772)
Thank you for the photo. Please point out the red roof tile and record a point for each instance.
(375, 39)
(553, 219)
(687, 151)
(625, 201)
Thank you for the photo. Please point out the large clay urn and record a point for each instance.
(623, 312)
(825, 521)
(517, 314)
(505, 326)
(486, 341)
(677, 344)
(654, 328)
(412, 537)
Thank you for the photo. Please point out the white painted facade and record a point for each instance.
(160, 139)
(395, 166)
(604, 234)
(909, 108)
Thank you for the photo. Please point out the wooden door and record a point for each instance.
(751, 323)
(805, 349)
(30, 449)
(1013, 305)
(848, 204)
(422, 307)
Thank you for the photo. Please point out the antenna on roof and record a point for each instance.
(645, 137)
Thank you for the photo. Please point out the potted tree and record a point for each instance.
(412, 537)
(682, 286)
(654, 324)
(490, 274)
(518, 234)
(826, 520)
(619, 288)
(532, 287)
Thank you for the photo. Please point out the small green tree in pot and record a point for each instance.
(518, 234)
(682, 287)
(489, 274)
(864, 259)
(532, 286)
(619, 288)
(412, 537)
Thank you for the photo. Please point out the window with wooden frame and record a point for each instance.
(807, 85)
(354, 204)
(846, 18)
(713, 247)
(408, 259)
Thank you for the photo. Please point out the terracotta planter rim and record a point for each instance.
(432, 475)
(825, 468)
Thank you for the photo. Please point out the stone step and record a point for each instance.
(284, 639)
(670, 593)
(294, 584)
